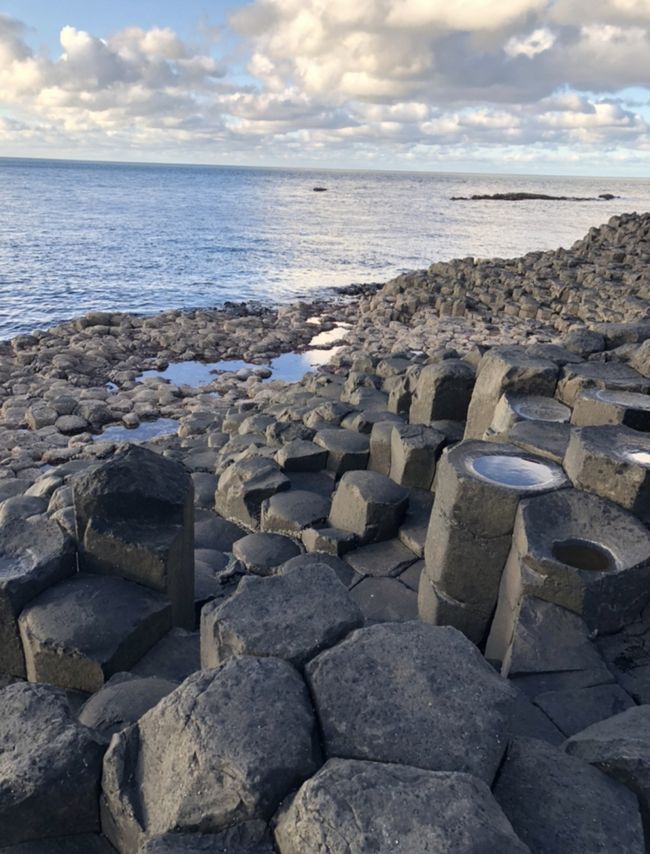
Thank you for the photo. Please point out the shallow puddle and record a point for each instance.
(142, 433)
(517, 472)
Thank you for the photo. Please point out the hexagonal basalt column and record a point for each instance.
(34, 555)
(607, 406)
(513, 408)
(612, 462)
(369, 505)
(579, 552)
(414, 452)
(244, 486)
(442, 392)
(135, 519)
(613, 375)
(478, 486)
(506, 369)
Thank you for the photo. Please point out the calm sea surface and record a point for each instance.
(81, 236)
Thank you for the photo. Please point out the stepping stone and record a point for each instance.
(363, 422)
(122, 701)
(576, 379)
(346, 449)
(542, 439)
(506, 369)
(175, 657)
(290, 512)
(620, 746)
(346, 575)
(244, 486)
(292, 616)
(598, 406)
(229, 717)
(251, 837)
(613, 462)
(369, 505)
(414, 453)
(34, 555)
(369, 806)
(381, 559)
(412, 694)
(85, 629)
(50, 767)
(384, 600)
(573, 711)
(213, 532)
(442, 392)
(262, 554)
(300, 455)
(557, 804)
(321, 482)
(135, 519)
(413, 530)
(516, 408)
(330, 541)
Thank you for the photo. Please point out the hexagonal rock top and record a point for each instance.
(292, 616)
(352, 806)
(50, 767)
(369, 505)
(412, 694)
(226, 747)
(244, 486)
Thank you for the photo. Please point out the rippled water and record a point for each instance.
(82, 236)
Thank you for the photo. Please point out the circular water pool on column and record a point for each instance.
(515, 472)
(583, 554)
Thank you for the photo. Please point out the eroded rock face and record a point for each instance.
(135, 519)
(412, 694)
(50, 767)
(368, 807)
(226, 747)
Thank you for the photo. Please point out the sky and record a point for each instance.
(520, 86)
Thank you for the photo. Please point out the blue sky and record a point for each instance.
(546, 86)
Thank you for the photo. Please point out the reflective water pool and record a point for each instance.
(517, 472)
(142, 433)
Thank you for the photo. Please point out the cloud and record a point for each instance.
(392, 80)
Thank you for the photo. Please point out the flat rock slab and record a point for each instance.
(290, 512)
(88, 627)
(389, 558)
(344, 571)
(213, 532)
(620, 746)
(262, 554)
(34, 555)
(346, 449)
(122, 701)
(244, 486)
(300, 455)
(573, 711)
(558, 804)
(50, 767)
(229, 717)
(175, 657)
(412, 694)
(384, 600)
(369, 807)
(251, 837)
(369, 505)
(292, 616)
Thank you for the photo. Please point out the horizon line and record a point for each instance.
(99, 162)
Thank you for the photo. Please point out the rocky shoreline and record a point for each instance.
(420, 575)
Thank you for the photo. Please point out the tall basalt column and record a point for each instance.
(135, 519)
(478, 487)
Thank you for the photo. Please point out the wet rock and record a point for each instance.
(229, 717)
(135, 520)
(369, 505)
(292, 616)
(50, 767)
(557, 803)
(407, 693)
(337, 811)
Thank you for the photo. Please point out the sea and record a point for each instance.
(81, 236)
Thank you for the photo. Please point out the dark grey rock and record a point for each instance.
(347, 450)
(384, 600)
(292, 616)
(250, 837)
(88, 627)
(409, 693)
(213, 532)
(369, 807)
(414, 453)
(343, 570)
(135, 519)
(300, 455)
(243, 736)
(83, 843)
(290, 512)
(558, 804)
(264, 553)
(175, 657)
(244, 486)
(50, 767)
(573, 711)
(381, 559)
(369, 505)
(442, 392)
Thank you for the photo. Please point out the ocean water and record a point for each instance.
(78, 236)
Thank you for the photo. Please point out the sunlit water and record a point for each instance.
(81, 236)
(517, 472)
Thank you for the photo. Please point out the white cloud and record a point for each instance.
(384, 79)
